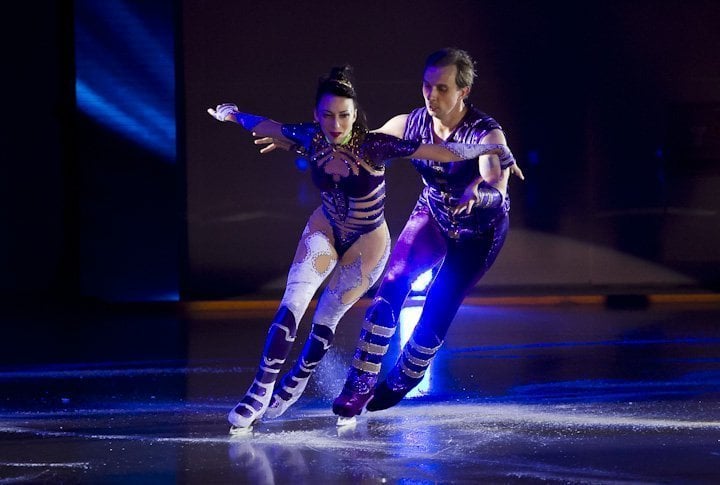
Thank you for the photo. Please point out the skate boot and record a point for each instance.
(277, 346)
(405, 376)
(378, 328)
(294, 382)
(251, 407)
(355, 394)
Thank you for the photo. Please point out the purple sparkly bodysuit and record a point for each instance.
(352, 188)
(446, 182)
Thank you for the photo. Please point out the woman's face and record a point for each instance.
(336, 116)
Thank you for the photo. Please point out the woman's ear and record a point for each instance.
(315, 116)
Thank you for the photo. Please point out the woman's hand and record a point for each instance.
(273, 143)
(223, 112)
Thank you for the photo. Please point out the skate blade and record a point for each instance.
(238, 431)
(343, 421)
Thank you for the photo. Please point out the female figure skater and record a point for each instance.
(345, 239)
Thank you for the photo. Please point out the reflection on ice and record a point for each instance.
(495, 441)
(407, 320)
(415, 441)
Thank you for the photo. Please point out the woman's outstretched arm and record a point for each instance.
(258, 125)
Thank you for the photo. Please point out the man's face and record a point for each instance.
(441, 92)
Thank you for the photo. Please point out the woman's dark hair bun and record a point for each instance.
(341, 73)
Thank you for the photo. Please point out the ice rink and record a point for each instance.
(524, 391)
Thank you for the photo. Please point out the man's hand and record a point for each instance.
(468, 199)
(515, 170)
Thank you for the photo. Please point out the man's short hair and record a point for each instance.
(459, 58)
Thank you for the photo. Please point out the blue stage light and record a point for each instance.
(421, 282)
(407, 320)
(125, 71)
(302, 164)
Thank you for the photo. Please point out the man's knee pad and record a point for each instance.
(381, 313)
(425, 338)
(378, 328)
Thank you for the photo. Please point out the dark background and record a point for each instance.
(612, 109)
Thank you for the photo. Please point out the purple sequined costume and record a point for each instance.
(445, 182)
(352, 188)
(464, 247)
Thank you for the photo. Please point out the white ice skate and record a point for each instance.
(278, 405)
(343, 421)
(237, 420)
(238, 431)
